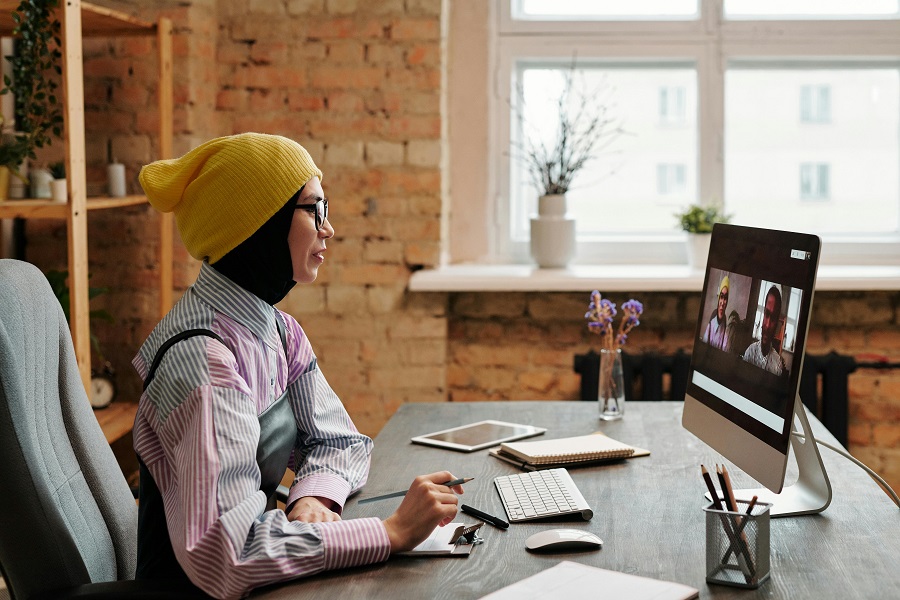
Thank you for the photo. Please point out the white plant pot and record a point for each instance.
(40, 183)
(58, 191)
(698, 250)
(552, 233)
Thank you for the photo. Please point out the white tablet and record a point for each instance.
(475, 436)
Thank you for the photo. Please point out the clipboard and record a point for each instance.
(454, 539)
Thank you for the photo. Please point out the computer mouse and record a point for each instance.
(554, 540)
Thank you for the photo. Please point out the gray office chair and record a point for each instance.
(69, 519)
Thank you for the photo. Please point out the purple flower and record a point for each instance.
(600, 315)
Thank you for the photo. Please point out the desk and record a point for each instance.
(646, 510)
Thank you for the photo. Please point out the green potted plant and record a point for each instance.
(698, 222)
(58, 190)
(33, 82)
(13, 152)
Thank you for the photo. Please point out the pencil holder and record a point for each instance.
(737, 545)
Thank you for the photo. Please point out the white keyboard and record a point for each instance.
(541, 494)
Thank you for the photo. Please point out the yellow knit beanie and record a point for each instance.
(724, 284)
(225, 189)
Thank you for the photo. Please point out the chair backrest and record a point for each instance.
(68, 515)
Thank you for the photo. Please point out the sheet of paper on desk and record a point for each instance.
(575, 581)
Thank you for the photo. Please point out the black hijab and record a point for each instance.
(262, 263)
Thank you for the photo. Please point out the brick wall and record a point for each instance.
(540, 333)
(359, 84)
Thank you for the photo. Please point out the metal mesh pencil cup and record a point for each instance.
(737, 545)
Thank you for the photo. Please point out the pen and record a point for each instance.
(726, 524)
(712, 489)
(495, 521)
(740, 538)
(740, 529)
(459, 481)
(725, 495)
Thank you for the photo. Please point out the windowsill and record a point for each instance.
(622, 278)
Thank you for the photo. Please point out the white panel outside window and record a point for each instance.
(853, 161)
(741, 102)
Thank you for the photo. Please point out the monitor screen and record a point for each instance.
(748, 346)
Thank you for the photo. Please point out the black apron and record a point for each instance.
(278, 430)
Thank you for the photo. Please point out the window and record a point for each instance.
(813, 181)
(670, 180)
(672, 108)
(754, 107)
(815, 103)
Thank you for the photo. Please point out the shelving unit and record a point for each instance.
(78, 20)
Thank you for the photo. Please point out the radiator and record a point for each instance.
(823, 383)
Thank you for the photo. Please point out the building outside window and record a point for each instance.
(730, 74)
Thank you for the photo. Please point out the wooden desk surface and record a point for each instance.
(648, 511)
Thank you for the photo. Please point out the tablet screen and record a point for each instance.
(479, 435)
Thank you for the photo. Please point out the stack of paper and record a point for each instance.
(565, 452)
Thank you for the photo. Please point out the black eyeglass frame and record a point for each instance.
(321, 215)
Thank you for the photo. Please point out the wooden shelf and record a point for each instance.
(47, 209)
(117, 419)
(96, 21)
(78, 20)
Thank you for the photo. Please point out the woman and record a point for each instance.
(233, 396)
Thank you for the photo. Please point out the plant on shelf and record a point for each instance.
(57, 170)
(698, 222)
(33, 81)
(700, 219)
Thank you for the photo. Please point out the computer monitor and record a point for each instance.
(742, 394)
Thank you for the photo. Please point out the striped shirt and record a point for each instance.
(197, 431)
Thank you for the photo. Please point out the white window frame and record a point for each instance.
(708, 42)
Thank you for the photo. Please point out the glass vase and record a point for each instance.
(611, 385)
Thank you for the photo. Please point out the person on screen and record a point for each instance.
(717, 333)
(225, 412)
(761, 353)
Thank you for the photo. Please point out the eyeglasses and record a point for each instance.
(320, 209)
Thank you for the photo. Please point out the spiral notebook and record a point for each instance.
(584, 448)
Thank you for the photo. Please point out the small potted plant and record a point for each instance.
(584, 125)
(58, 190)
(13, 153)
(698, 222)
(35, 67)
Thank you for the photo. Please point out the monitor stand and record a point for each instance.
(811, 493)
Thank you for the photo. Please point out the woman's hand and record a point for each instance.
(426, 505)
(312, 510)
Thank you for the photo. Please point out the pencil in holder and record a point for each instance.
(737, 545)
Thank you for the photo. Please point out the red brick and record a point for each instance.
(416, 29)
(266, 100)
(356, 78)
(231, 100)
(346, 27)
(310, 101)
